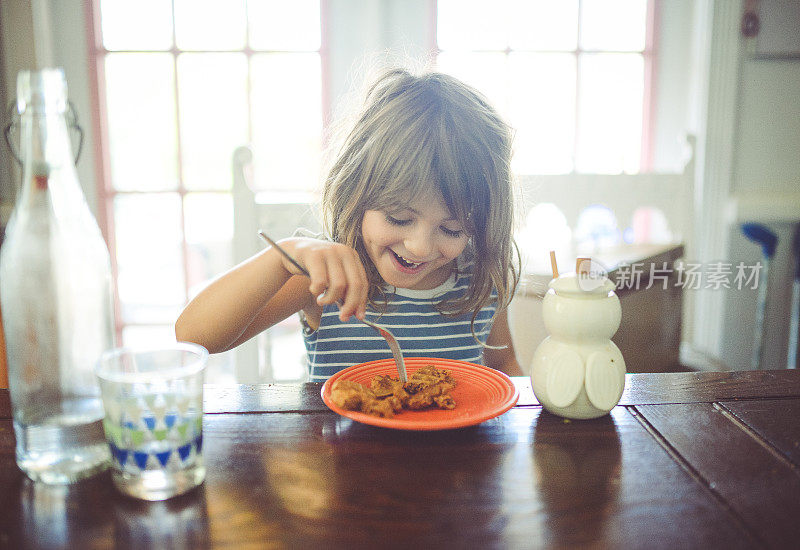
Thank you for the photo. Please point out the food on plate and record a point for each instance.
(353, 396)
(386, 396)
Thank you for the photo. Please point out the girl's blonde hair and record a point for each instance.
(415, 133)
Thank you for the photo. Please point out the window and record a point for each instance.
(571, 76)
(183, 83)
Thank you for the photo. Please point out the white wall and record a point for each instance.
(767, 164)
(16, 46)
(676, 87)
(48, 33)
(363, 32)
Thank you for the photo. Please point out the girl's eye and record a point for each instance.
(451, 232)
(395, 221)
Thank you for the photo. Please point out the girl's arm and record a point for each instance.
(505, 359)
(267, 288)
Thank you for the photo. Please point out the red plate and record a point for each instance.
(481, 393)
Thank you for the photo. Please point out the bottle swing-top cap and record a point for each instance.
(42, 92)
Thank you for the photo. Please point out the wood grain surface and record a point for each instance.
(688, 461)
(739, 467)
(646, 388)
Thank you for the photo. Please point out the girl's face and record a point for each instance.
(414, 247)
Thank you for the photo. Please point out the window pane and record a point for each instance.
(544, 24)
(140, 25)
(613, 25)
(149, 257)
(287, 120)
(140, 92)
(281, 25)
(213, 116)
(210, 24)
(471, 25)
(208, 219)
(487, 72)
(611, 96)
(543, 112)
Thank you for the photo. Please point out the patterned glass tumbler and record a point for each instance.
(153, 401)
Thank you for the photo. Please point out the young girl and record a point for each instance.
(418, 211)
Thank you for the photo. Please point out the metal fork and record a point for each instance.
(388, 336)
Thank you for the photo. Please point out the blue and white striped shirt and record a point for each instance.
(412, 317)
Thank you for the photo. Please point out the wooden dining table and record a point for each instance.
(686, 460)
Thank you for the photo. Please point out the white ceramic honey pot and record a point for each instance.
(578, 372)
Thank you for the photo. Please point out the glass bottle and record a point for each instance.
(55, 291)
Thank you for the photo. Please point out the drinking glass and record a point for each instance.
(153, 401)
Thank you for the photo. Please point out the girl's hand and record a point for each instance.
(335, 270)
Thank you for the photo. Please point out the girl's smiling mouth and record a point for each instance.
(406, 266)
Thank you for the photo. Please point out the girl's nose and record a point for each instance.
(419, 244)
